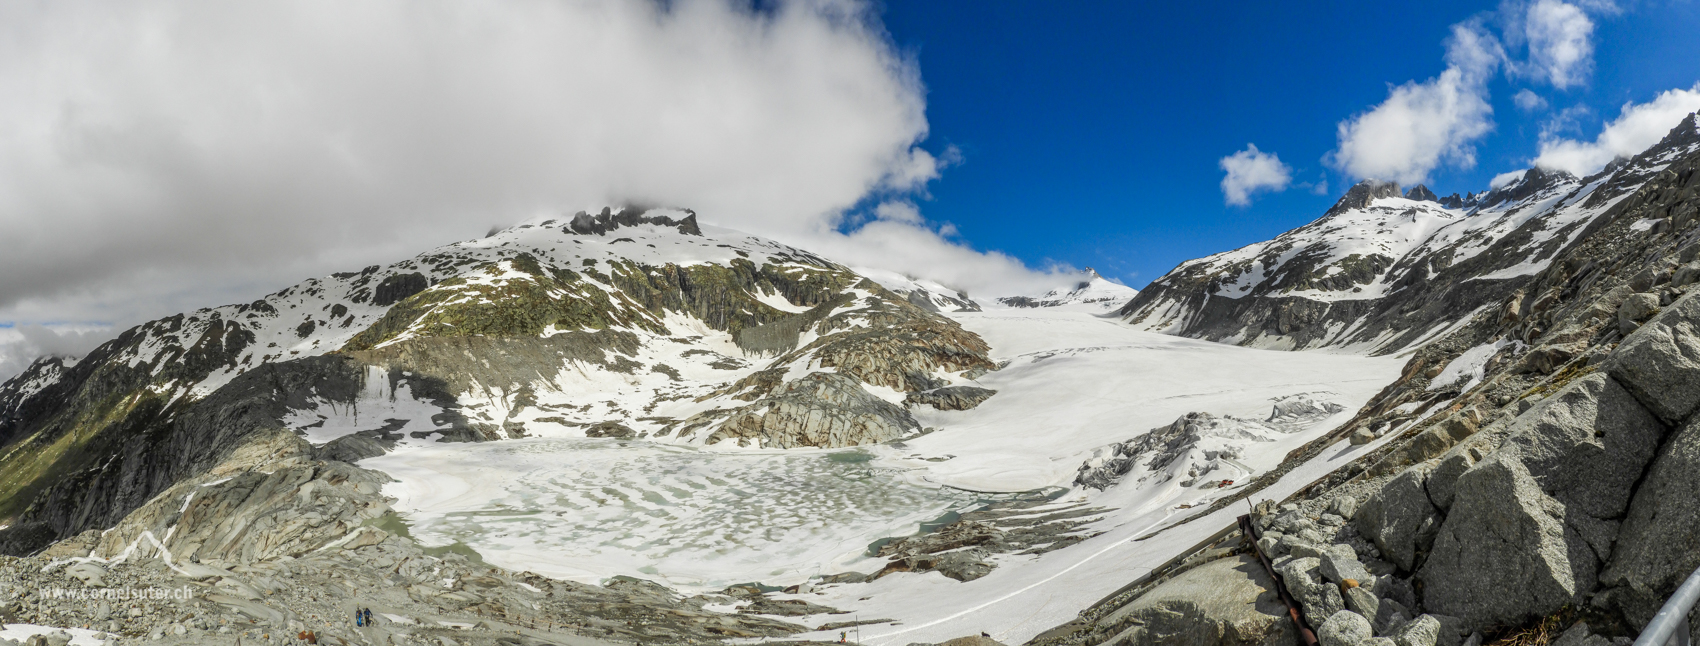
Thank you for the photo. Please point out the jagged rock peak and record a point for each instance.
(608, 220)
(1421, 193)
(1363, 193)
(1533, 181)
(1453, 201)
(1087, 275)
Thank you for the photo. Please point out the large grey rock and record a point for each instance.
(1427, 630)
(1587, 445)
(1343, 628)
(1360, 600)
(1303, 578)
(1530, 524)
(1443, 481)
(1226, 601)
(1659, 544)
(1634, 310)
(1504, 554)
(1579, 635)
(1390, 616)
(1340, 563)
(1660, 362)
(1685, 275)
(1344, 507)
(1400, 518)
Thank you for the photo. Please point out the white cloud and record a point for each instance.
(1561, 46)
(1505, 178)
(1423, 125)
(22, 344)
(912, 249)
(1250, 171)
(1528, 101)
(165, 154)
(1635, 129)
(898, 212)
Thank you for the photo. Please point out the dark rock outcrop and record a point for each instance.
(1362, 193)
(950, 397)
(1421, 193)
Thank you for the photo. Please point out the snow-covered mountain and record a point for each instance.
(632, 323)
(1382, 270)
(1091, 292)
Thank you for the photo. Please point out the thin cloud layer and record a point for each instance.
(1528, 101)
(163, 154)
(1636, 128)
(1250, 171)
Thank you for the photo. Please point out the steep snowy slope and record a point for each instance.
(1381, 271)
(1091, 293)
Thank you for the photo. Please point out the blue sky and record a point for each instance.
(1091, 132)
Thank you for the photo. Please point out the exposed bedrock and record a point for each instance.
(822, 409)
(1227, 601)
(950, 397)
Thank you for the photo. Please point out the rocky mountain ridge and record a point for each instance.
(1382, 271)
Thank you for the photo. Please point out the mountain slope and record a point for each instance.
(1533, 467)
(1381, 271)
(629, 323)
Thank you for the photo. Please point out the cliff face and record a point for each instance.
(1535, 463)
(632, 319)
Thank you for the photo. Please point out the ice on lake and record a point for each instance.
(586, 509)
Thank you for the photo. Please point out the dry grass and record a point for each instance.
(1540, 634)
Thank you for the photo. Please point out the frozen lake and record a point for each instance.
(587, 509)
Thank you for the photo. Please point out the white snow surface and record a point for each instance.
(79, 636)
(700, 518)
(1470, 366)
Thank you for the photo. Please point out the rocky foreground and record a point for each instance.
(277, 543)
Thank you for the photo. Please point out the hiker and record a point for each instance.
(368, 616)
(841, 635)
(359, 619)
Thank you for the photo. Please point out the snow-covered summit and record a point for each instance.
(1092, 292)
